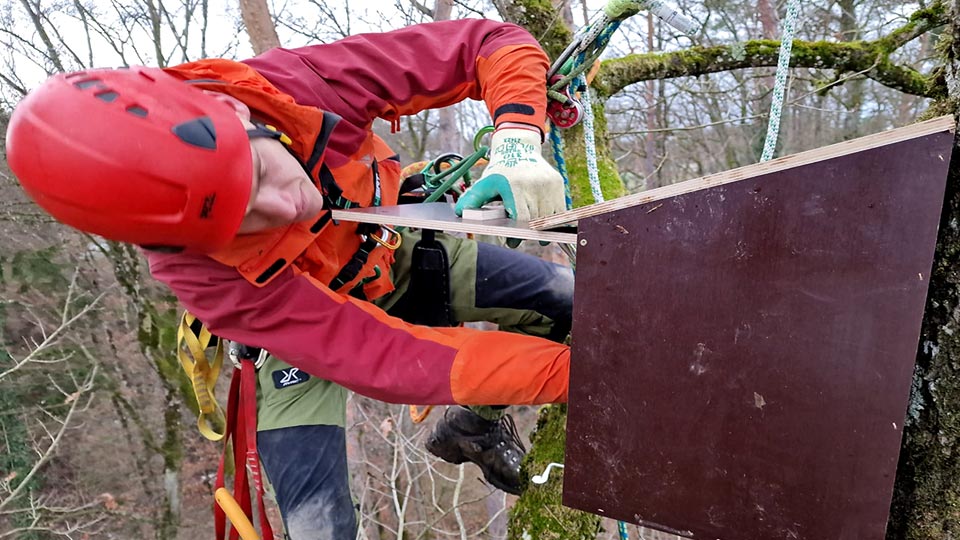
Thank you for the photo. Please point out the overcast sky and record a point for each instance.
(225, 36)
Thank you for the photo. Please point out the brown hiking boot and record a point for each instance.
(493, 445)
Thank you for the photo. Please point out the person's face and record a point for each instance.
(281, 192)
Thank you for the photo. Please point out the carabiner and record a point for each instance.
(478, 138)
(239, 352)
(389, 239)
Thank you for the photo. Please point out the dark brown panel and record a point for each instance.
(742, 354)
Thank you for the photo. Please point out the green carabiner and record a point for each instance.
(479, 137)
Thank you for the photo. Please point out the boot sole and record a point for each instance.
(457, 458)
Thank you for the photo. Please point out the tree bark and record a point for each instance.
(868, 57)
(448, 131)
(539, 512)
(566, 11)
(768, 19)
(926, 494)
(156, 337)
(260, 26)
(849, 32)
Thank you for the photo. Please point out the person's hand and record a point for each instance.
(529, 187)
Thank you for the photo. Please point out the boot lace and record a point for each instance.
(508, 427)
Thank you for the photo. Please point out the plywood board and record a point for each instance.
(936, 125)
(743, 352)
(441, 217)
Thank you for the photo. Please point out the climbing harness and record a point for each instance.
(388, 238)
(193, 340)
(779, 86)
(242, 431)
(239, 425)
(569, 104)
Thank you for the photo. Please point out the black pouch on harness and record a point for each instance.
(427, 300)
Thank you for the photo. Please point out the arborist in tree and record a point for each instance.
(224, 172)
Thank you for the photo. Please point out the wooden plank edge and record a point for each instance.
(920, 129)
(475, 227)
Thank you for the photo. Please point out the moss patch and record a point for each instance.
(611, 184)
(539, 514)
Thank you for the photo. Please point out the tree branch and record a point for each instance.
(13, 84)
(422, 8)
(47, 454)
(52, 53)
(866, 57)
(869, 57)
(920, 23)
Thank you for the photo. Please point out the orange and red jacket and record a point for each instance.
(275, 289)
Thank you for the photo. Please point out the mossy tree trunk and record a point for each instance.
(539, 513)
(926, 501)
(156, 337)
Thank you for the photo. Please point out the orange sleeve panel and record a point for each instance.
(360, 347)
(533, 371)
(513, 83)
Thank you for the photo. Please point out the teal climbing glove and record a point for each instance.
(529, 187)
(488, 188)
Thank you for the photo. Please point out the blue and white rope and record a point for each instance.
(779, 87)
(589, 143)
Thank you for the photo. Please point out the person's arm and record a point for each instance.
(360, 347)
(419, 67)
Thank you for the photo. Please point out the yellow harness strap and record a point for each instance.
(192, 353)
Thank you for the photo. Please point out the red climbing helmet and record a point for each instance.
(133, 155)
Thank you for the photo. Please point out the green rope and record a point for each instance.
(779, 87)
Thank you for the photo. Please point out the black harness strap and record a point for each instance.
(427, 300)
(355, 264)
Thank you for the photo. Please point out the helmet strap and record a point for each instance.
(269, 132)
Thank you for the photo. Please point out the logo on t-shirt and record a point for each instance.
(283, 378)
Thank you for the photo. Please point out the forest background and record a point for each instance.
(97, 436)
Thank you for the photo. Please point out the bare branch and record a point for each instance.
(52, 53)
(422, 8)
(47, 453)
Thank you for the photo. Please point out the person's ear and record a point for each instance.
(238, 106)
